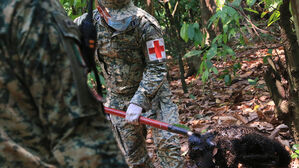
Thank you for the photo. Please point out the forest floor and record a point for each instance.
(241, 103)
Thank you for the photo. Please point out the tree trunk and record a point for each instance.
(207, 9)
(295, 11)
(176, 47)
(292, 60)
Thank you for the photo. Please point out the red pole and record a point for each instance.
(142, 120)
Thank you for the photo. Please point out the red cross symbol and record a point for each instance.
(157, 49)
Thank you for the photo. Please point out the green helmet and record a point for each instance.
(114, 4)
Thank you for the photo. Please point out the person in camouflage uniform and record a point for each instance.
(132, 57)
(45, 121)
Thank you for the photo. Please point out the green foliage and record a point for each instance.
(74, 8)
(193, 53)
(295, 149)
(230, 17)
(269, 54)
(250, 3)
(274, 17)
(253, 81)
(191, 32)
(272, 6)
(184, 32)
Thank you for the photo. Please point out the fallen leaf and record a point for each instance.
(227, 120)
(262, 126)
(241, 118)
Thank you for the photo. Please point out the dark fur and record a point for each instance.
(234, 145)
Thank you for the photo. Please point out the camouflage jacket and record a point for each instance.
(129, 69)
(38, 96)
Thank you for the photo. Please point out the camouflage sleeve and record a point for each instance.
(155, 71)
(79, 19)
(38, 53)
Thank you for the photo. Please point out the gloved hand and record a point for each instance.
(133, 113)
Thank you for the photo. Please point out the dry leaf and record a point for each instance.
(227, 119)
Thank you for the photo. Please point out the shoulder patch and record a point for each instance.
(156, 50)
(67, 26)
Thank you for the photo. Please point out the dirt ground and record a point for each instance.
(245, 102)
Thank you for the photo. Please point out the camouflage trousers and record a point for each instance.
(89, 144)
(131, 138)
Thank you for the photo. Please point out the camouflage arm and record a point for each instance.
(79, 19)
(154, 73)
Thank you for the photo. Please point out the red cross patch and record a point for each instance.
(156, 49)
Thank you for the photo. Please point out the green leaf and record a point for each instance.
(205, 76)
(253, 82)
(294, 156)
(251, 10)
(274, 17)
(102, 80)
(196, 25)
(264, 13)
(237, 3)
(224, 38)
(225, 28)
(212, 19)
(232, 33)
(261, 86)
(295, 147)
(230, 11)
(229, 50)
(269, 51)
(223, 17)
(237, 66)
(191, 32)
(237, 20)
(192, 53)
(204, 131)
(184, 32)
(69, 13)
(77, 3)
(212, 52)
(71, 2)
(197, 37)
(220, 3)
(209, 64)
(265, 60)
(227, 80)
(200, 70)
(192, 96)
(250, 2)
(214, 69)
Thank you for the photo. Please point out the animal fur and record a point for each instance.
(234, 145)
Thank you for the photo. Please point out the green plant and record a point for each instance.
(231, 17)
(295, 149)
(74, 8)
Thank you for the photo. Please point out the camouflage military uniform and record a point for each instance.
(132, 77)
(44, 120)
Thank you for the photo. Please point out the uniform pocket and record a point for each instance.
(125, 40)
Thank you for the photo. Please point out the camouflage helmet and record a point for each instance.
(114, 4)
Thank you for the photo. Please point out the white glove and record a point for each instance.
(133, 113)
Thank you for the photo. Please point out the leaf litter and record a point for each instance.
(214, 103)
